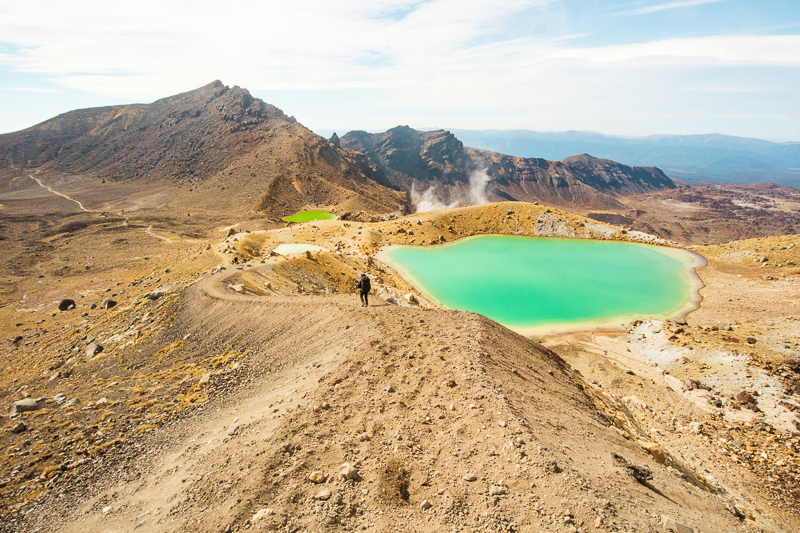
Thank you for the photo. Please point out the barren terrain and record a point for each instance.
(239, 390)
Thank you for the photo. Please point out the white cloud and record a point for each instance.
(463, 63)
(670, 5)
(742, 49)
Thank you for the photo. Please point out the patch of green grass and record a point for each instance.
(308, 216)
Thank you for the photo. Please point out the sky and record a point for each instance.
(621, 68)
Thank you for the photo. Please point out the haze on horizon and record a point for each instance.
(628, 68)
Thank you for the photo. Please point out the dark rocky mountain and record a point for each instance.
(438, 163)
(196, 145)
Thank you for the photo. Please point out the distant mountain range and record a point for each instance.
(711, 157)
(438, 171)
(219, 150)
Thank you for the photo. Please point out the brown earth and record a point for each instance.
(224, 395)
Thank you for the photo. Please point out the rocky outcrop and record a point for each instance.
(217, 146)
(437, 160)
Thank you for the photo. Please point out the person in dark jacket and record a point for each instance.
(364, 288)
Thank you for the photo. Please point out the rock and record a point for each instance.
(19, 427)
(231, 232)
(673, 526)
(346, 471)
(497, 490)
(92, 350)
(696, 427)
(233, 430)
(334, 140)
(155, 295)
(102, 402)
(388, 388)
(425, 505)
(744, 398)
(317, 477)
(598, 522)
(261, 514)
(323, 495)
(70, 403)
(552, 467)
(205, 378)
(751, 340)
(363, 437)
(21, 406)
(108, 303)
(470, 477)
(655, 450)
(55, 376)
(410, 298)
(60, 398)
(238, 288)
(725, 327)
(66, 304)
(639, 473)
(450, 383)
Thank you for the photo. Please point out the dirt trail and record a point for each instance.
(42, 185)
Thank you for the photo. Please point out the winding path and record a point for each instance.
(59, 194)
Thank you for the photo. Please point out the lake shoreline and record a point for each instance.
(691, 262)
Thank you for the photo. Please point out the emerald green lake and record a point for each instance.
(308, 216)
(531, 284)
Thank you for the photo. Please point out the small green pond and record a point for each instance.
(308, 216)
(533, 284)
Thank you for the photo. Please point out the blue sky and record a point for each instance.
(623, 68)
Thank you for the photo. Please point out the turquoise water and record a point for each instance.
(532, 283)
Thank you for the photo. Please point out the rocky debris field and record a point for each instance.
(229, 389)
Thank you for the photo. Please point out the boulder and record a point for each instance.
(673, 526)
(317, 477)
(92, 350)
(19, 427)
(744, 398)
(346, 471)
(261, 514)
(323, 495)
(21, 406)
(655, 450)
(108, 303)
(410, 298)
(66, 304)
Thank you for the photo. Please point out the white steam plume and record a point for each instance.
(474, 195)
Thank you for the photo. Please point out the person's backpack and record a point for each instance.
(365, 286)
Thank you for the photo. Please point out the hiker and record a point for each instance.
(364, 286)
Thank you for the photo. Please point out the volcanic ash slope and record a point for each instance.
(391, 418)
